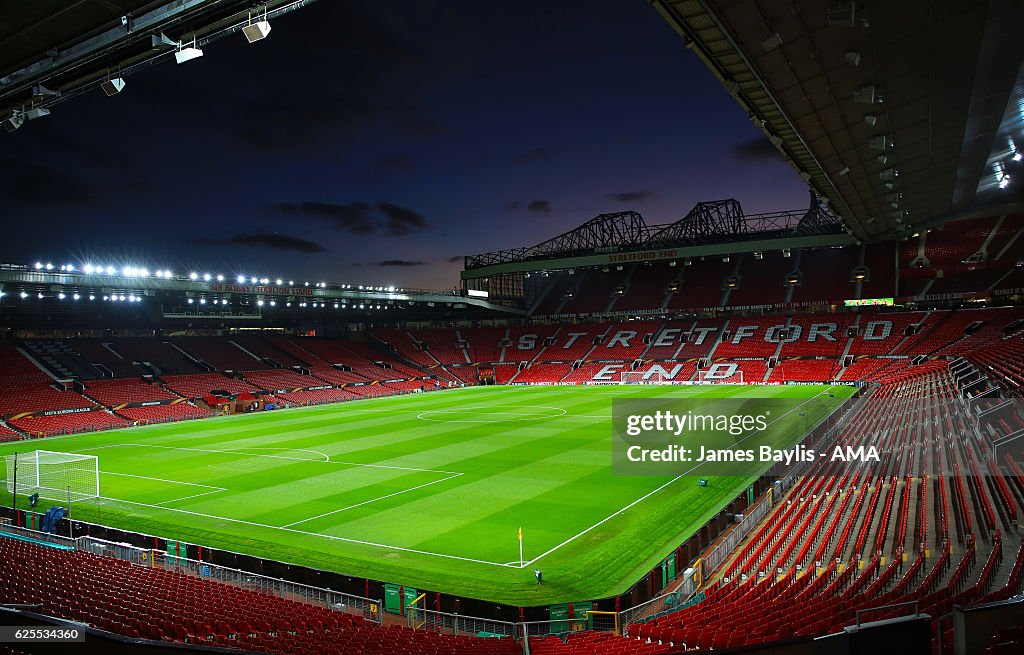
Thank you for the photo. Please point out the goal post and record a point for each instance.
(652, 376)
(720, 374)
(54, 475)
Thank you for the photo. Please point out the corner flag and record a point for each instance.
(520, 547)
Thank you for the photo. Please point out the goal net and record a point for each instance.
(53, 475)
(720, 374)
(653, 376)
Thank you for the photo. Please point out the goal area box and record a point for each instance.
(53, 475)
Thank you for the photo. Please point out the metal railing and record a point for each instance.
(35, 535)
(366, 607)
(457, 624)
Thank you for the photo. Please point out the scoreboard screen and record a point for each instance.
(866, 302)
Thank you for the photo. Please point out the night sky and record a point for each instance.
(382, 141)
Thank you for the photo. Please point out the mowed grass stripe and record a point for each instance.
(552, 476)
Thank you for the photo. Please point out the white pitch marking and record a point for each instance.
(311, 534)
(174, 500)
(373, 500)
(470, 410)
(296, 459)
(146, 477)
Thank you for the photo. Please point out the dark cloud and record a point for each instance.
(632, 196)
(400, 221)
(265, 240)
(754, 150)
(538, 154)
(359, 218)
(354, 217)
(535, 206)
(455, 258)
(539, 206)
(404, 263)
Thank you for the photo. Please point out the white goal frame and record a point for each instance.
(642, 377)
(55, 475)
(735, 378)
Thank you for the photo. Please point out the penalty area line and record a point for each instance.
(313, 534)
(373, 500)
(175, 500)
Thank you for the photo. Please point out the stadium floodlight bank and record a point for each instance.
(53, 475)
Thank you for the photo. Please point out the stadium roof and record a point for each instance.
(714, 227)
(53, 50)
(901, 114)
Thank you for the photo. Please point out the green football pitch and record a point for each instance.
(427, 490)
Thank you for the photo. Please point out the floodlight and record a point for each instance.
(188, 54)
(1016, 156)
(39, 91)
(256, 31)
(89, 268)
(161, 41)
(220, 278)
(193, 276)
(39, 265)
(207, 277)
(241, 279)
(37, 112)
(113, 86)
(23, 295)
(865, 95)
(61, 296)
(13, 122)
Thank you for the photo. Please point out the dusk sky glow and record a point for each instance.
(379, 142)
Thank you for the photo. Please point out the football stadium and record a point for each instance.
(259, 428)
